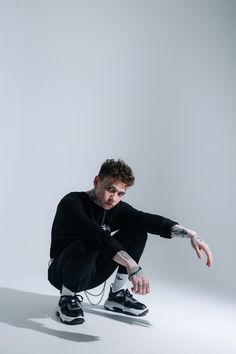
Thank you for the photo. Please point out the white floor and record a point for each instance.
(180, 321)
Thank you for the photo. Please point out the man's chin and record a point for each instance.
(108, 206)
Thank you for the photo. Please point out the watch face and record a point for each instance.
(105, 227)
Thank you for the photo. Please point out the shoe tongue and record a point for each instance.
(74, 299)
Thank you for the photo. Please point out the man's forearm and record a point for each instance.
(183, 232)
(125, 260)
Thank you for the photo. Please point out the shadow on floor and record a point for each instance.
(100, 311)
(20, 309)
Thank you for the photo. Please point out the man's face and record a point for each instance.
(109, 191)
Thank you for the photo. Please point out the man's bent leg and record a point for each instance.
(134, 240)
(78, 268)
(120, 299)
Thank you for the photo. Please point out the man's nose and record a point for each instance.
(113, 198)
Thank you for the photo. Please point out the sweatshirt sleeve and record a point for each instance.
(71, 223)
(151, 223)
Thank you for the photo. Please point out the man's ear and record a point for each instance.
(95, 181)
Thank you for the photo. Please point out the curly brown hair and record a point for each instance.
(117, 169)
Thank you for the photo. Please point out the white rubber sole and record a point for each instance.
(67, 319)
(115, 307)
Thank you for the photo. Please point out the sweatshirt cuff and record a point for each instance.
(166, 228)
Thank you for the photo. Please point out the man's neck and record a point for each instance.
(91, 193)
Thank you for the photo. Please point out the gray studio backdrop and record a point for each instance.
(152, 82)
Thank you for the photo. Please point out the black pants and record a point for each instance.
(81, 267)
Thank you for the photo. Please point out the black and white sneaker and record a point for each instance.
(69, 309)
(122, 301)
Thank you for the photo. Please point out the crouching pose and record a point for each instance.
(94, 232)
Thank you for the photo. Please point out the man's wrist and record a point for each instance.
(134, 271)
(130, 266)
(179, 231)
(183, 232)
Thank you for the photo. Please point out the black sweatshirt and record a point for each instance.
(79, 218)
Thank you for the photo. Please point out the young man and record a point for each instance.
(94, 232)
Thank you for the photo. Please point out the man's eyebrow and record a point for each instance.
(112, 186)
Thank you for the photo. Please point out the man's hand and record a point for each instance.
(139, 280)
(140, 283)
(200, 246)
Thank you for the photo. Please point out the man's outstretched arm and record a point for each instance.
(139, 280)
(196, 242)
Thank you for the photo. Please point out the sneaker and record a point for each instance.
(69, 309)
(123, 301)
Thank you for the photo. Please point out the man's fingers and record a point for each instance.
(202, 246)
(199, 252)
(135, 288)
(197, 249)
(135, 284)
(209, 256)
(140, 285)
(208, 253)
(142, 290)
(209, 262)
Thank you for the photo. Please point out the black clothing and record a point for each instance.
(79, 218)
(82, 250)
(80, 267)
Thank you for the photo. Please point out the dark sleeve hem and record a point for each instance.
(166, 228)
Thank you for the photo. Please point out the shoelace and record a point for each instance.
(128, 294)
(75, 300)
